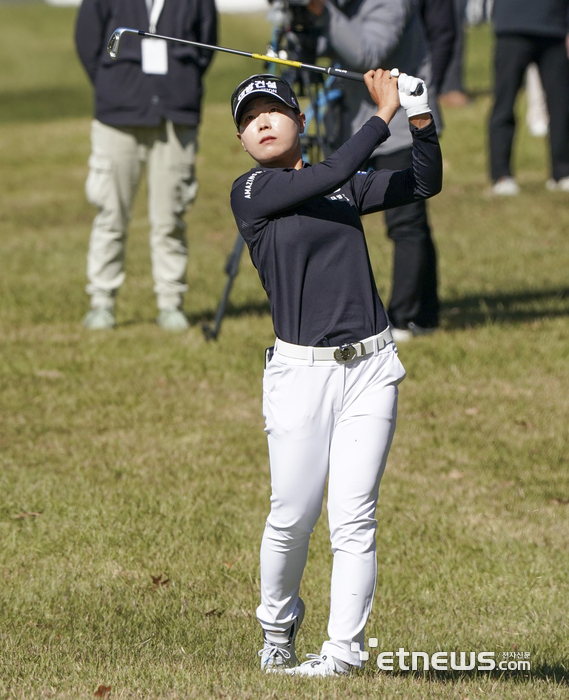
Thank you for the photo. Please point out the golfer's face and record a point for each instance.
(270, 132)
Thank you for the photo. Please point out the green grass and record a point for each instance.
(134, 454)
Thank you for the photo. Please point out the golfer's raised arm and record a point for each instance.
(271, 191)
(383, 91)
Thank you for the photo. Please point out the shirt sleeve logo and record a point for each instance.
(249, 183)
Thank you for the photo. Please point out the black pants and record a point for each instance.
(513, 54)
(454, 79)
(414, 297)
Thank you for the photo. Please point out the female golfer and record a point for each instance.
(330, 383)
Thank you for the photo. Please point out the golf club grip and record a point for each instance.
(348, 74)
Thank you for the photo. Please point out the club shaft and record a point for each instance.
(114, 43)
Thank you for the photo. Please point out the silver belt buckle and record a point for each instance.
(345, 353)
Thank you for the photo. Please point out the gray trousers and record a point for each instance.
(115, 168)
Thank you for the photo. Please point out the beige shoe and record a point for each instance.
(454, 98)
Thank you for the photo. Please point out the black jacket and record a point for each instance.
(534, 17)
(124, 95)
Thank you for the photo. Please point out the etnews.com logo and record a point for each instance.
(446, 661)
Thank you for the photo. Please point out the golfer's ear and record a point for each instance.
(302, 121)
(240, 139)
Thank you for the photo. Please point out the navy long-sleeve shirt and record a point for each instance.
(306, 239)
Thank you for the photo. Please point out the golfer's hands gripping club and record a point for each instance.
(383, 91)
(412, 95)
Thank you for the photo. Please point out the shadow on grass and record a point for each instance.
(252, 308)
(465, 312)
(46, 104)
(499, 307)
(551, 673)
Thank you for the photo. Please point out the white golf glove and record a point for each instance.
(407, 85)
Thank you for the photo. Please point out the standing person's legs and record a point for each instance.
(115, 167)
(512, 55)
(172, 188)
(553, 66)
(360, 445)
(452, 92)
(414, 293)
(298, 405)
(414, 296)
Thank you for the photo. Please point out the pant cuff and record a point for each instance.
(343, 653)
(174, 301)
(102, 301)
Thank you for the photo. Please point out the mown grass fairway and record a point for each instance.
(134, 475)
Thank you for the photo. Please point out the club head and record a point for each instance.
(114, 44)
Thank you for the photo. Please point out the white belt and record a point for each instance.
(340, 353)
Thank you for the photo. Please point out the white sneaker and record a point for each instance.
(100, 319)
(561, 185)
(538, 128)
(278, 657)
(402, 335)
(173, 319)
(505, 187)
(321, 666)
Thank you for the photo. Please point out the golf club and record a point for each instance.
(113, 48)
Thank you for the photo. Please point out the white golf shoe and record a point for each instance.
(561, 185)
(505, 187)
(402, 335)
(173, 319)
(277, 657)
(320, 666)
(100, 319)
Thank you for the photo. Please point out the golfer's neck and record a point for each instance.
(293, 164)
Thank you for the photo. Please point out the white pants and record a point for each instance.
(115, 167)
(324, 420)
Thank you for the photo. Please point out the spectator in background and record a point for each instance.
(452, 92)
(147, 111)
(440, 21)
(526, 32)
(391, 34)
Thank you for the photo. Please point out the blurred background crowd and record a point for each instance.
(148, 103)
(148, 107)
